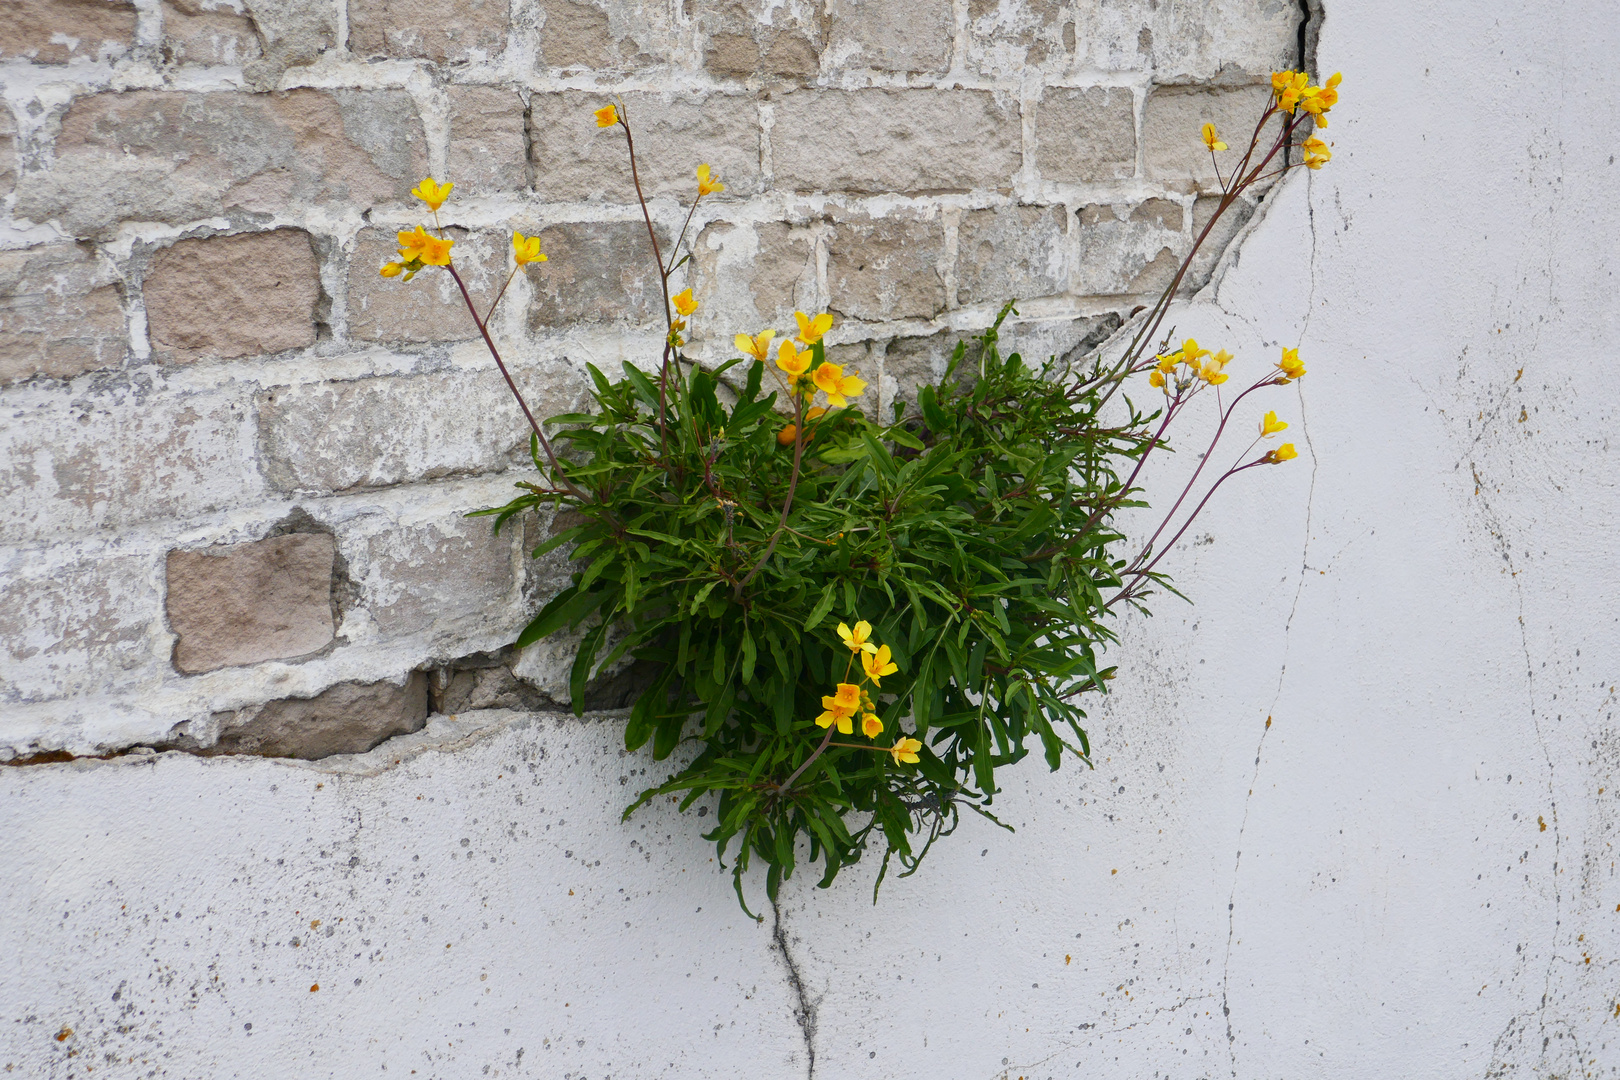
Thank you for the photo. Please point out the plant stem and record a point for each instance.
(825, 742)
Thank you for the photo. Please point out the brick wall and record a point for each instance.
(234, 461)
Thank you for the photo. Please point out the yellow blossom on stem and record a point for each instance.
(1289, 87)
(1191, 353)
(871, 726)
(838, 387)
(786, 436)
(1285, 452)
(431, 193)
(758, 346)
(1210, 138)
(1290, 365)
(811, 330)
(707, 186)
(1270, 425)
(878, 665)
(1156, 379)
(683, 302)
(792, 361)
(526, 249)
(411, 244)
(607, 116)
(833, 715)
(392, 269)
(905, 751)
(1317, 153)
(436, 251)
(858, 638)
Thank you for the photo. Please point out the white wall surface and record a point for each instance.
(1353, 810)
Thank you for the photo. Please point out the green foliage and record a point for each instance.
(975, 536)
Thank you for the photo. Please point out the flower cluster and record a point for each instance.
(1292, 90)
(850, 698)
(803, 359)
(420, 248)
(1196, 365)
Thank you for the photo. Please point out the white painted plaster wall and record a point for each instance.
(1407, 873)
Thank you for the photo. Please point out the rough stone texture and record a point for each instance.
(894, 140)
(238, 604)
(229, 296)
(750, 39)
(597, 272)
(488, 148)
(169, 156)
(8, 152)
(753, 276)
(61, 314)
(674, 133)
(1006, 38)
(57, 31)
(600, 35)
(1177, 41)
(1203, 264)
(443, 31)
(429, 307)
(1172, 119)
(1129, 250)
(195, 34)
(292, 33)
(1086, 135)
(349, 718)
(436, 575)
(885, 268)
(1017, 251)
(910, 36)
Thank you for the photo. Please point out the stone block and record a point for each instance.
(1014, 251)
(8, 152)
(1184, 42)
(1172, 149)
(753, 276)
(57, 31)
(429, 307)
(236, 604)
(223, 297)
(911, 362)
(194, 34)
(292, 33)
(444, 31)
(910, 36)
(61, 313)
(885, 268)
(872, 141)
(1129, 251)
(1006, 38)
(1086, 135)
(349, 718)
(597, 272)
(77, 625)
(119, 454)
(603, 35)
(444, 575)
(748, 39)
(402, 428)
(154, 155)
(574, 159)
(488, 151)
(1220, 237)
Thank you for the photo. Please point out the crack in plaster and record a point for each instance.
(805, 1011)
(1068, 1048)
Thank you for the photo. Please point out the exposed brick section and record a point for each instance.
(596, 272)
(599, 35)
(349, 718)
(8, 152)
(229, 296)
(58, 31)
(488, 150)
(1018, 251)
(1203, 264)
(895, 140)
(429, 307)
(1008, 37)
(753, 276)
(1180, 41)
(1128, 251)
(164, 156)
(886, 268)
(739, 42)
(61, 313)
(910, 36)
(81, 625)
(435, 576)
(1086, 135)
(1171, 122)
(439, 30)
(239, 604)
(194, 34)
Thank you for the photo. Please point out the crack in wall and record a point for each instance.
(804, 1012)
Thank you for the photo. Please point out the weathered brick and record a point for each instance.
(911, 36)
(8, 151)
(444, 31)
(236, 604)
(429, 307)
(745, 39)
(404, 568)
(1215, 245)
(1006, 37)
(596, 272)
(1173, 151)
(56, 31)
(885, 268)
(1129, 251)
(1181, 41)
(1086, 135)
(194, 34)
(601, 35)
(228, 296)
(60, 313)
(488, 151)
(1015, 251)
(292, 33)
(753, 276)
(911, 362)
(349, 718)
(77, 626)
(674, 133)
(176, 157)
(120, 455)
(894, 140)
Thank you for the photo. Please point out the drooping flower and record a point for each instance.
(392, 269)
(526, 249)
(607, 116)
(838, 387)
(786, 436)
(1285, 452)
(1317, 153)
(792, 361)
(683, 302)
(1156, 378)
(758, 346)
(1290, 365)
(1210, 138)
(707, 186)
(871, 726)
(858, 638)
(1270, 425)
(905, 751)
(878, 665)
(431, 193)
(811, 330)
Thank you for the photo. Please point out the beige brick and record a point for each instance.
(487, 146)
(1015, 251)
(349, 718)
(1086, 135)
(602, 35)
(912, 362)
(894, 140)
(752, 276)
(429, 307)
(597, 272)
(911, 36)
(1220, 237)
(1174, 117)
(176, 157)
(674, 133)
(194, 34)
(57, 31)
(1007, 37)
(8, 151)
(744, 39)
(885, 268)
(1187, 41)
(1129, 250)
(403, 569)
(230, 296)
(60, 313)
(292, 33)
(236, 604)
(444, 31)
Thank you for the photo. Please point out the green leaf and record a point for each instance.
(823, 605)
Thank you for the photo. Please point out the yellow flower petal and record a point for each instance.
(1270, 425)
(683, 302)
(392, 269)
(1210, 139)
(811, 330)
(791, 360)
(607, 116)
(1285, 452)
(905, 751)
(431, 193)
(707, 186)
(871, 726)
(758, 346)
(526, 249)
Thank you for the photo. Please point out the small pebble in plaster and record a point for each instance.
(313, 923)
(64, 1035)
(1542, 822)
(314, 987)
(1113, 871)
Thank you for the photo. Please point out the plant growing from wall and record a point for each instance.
(858, 621)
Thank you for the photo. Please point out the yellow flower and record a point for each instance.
(1210, 140)
(758, 346)
(1156, 379)
(835, 716)
(877, 665)
(1168, 362)
(810, 330)
(435, 252)
(683, 302)
(432, 193)
(1317, 100)
(792, 361)
(830, 378)
(707, 186)
(526, 249)
(786, 436)
(1317, 153)
(905, 751)
(1285, 452)
(607, 116)
(871, 726)
(1288, 87)
(856, 639)
(1270, 425)
(1290, 365)
(392, 269)
(411, 244)
(1212, 374)
(1191, 353)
